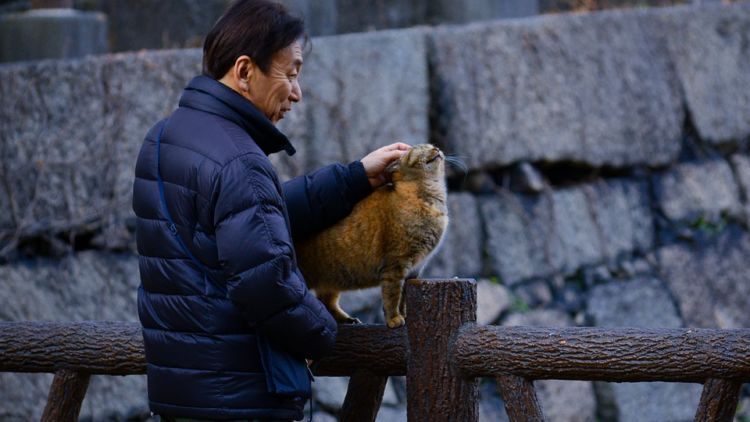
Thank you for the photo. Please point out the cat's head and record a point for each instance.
(421, 162)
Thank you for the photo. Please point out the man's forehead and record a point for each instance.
(291, 54)
(297, 53)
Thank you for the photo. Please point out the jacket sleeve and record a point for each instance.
(320, 199)
(255, 252)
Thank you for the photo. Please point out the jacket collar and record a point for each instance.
(211, 96)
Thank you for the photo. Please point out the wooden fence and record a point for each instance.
(442, 352)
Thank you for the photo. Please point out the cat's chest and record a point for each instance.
(430, 223)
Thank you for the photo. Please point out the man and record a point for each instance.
(215, 228)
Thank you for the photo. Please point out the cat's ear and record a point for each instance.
(413, 159)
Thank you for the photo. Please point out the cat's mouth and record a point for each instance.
(439, 155)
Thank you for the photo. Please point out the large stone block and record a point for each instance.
(330, 391)
(518, 236)
(460, 253)
(536, 236)
(360, 92)
(492, 300)
(491, 406)
(622, 211)
(54, 141)
(587, 88)
(691, 191)
(51, 34)
(85, 286)
(368, 15)
(651, 402)
(574, 226)
(160, 24)
(24, 395)
(642, 302)
(391, 414)
(320, 16)
(329, 17)
(69, 143)
(711, 54)
(449, 11)
(108, 398)
(566, 401)
(710, 282)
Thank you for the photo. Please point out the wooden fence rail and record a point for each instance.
(75, 350)
(442, 352)
(603, 354)
(516, 356)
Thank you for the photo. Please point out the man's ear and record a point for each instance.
(243, 71)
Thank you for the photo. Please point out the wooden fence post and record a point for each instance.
(65, 396)
(520, 399)
(718, 401)
(435, 391)
(363, 397)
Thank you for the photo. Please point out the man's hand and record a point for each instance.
(376, 161)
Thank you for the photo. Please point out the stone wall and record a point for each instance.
(183, 23)
(608, 181)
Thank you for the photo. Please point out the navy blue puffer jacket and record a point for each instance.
(238, 221)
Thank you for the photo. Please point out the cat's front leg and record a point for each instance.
(414, 273)
(402, 300)
(391, 291)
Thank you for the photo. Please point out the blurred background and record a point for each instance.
(606, 145)
(80, 27)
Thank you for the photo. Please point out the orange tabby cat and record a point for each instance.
(385, 238)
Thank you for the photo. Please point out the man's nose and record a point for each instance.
(296, 95)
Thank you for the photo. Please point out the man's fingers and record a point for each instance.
(398, 146)
(393, 155)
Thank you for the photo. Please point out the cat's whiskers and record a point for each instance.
(456, 161)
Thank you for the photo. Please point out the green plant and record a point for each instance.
(519, 306)
(708, 226)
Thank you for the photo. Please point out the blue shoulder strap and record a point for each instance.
(171, 226)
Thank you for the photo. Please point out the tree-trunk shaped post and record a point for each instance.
(363, 397)
(718, 401)
(65, 396)
(519, 396)
(435, 391)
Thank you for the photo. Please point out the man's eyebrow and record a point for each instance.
(297, 62)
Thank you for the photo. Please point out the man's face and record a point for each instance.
(275, 91)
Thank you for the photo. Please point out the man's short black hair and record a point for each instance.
(256, 28)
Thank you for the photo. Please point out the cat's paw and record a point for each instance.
(352, 320)
(396, 321)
